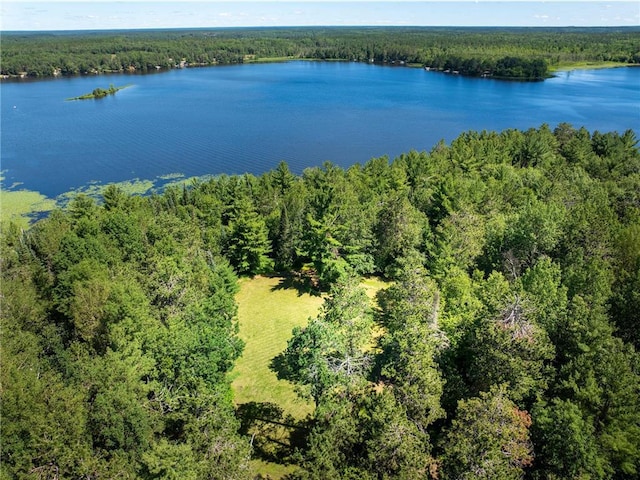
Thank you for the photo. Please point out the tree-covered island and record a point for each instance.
(507, 53)
(99, 93)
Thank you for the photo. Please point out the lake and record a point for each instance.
(247, 118)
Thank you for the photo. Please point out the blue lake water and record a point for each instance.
(247, 118)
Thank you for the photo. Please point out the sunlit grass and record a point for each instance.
(268, 310)
(267, 314)
(373, 284)
(568, 66)
(270, 469)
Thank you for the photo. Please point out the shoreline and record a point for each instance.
(552, 70)
(570, 67)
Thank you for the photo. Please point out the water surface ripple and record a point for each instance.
(246, 118)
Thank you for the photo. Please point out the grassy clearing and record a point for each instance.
(267, 313)
(270, 469)
(18, 205)
(268, 310)
(372, 285)
(567, 67)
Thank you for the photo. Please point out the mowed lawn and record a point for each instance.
(267, 313)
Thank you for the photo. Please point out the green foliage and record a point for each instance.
(409, 312)
(328, 355)
(625, 300)
(603, 380)
(337, 236)
(565, 441)
(515, 263)
(489, 438)
(513, 53)
(399, 232)
(248, 243)
(120, 342)
(43, 418)
(170, 461)
(364, 434)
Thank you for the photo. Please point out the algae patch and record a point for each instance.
(96, 190)
(23, 206)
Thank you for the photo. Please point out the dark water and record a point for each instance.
(247, 118)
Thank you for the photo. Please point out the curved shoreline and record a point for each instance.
(552, 71)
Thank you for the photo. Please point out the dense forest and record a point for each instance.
(513, 53)
(505, 346)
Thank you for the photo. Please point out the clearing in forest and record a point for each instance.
(268, 310)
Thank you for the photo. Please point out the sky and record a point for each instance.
(99, 15)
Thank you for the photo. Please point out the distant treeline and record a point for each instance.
(518, 53)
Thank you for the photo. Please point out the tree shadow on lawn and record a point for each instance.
(274, 436)
(305, 283)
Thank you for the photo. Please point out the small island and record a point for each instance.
(99, 93)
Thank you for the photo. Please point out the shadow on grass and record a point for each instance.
(303, 283)
(274, 436)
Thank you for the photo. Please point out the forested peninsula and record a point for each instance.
(507, 53)
(502, 346)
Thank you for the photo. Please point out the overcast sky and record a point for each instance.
(95, 15)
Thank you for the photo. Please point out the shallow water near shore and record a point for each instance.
(247, 118)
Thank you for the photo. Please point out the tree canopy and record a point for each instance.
(505, 345)
(511, 53)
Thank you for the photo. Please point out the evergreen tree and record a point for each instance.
(489, 438)
(248, 244)
(411, 345)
